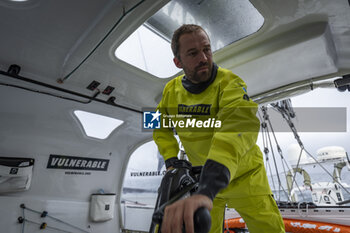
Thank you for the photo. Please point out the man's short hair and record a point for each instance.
(184, 29)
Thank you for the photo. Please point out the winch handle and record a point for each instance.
(202, 220)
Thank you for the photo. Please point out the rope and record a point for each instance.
(266, 150)
(45, 214)
(43, 225)
(278, 149)
(297, 137)
(284, 113)
(295, 173)
(266, 118)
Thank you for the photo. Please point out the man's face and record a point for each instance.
(195, 56)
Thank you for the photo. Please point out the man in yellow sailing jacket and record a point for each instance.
(224, 140)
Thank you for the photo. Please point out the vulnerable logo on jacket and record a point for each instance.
(197, 109)
(77, 163)
(151, 120)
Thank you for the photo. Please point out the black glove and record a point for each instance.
(170, 162)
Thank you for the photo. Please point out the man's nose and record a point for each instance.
(203, 57)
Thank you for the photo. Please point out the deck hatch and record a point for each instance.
(148, 48)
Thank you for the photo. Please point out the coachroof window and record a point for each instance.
(96, 125)
(225, 21)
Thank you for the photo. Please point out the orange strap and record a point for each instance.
(297, 226)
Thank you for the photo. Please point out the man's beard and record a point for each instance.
(199, 76)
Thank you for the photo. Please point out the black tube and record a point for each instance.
(65, 91)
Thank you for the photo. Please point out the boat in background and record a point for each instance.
(314, 206)
(306, 205)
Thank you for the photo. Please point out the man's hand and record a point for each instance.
(182, 211)
(169, 168)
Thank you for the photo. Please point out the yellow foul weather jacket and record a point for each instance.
(219, 124)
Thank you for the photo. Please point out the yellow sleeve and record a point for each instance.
(164, 138)
(240, 126)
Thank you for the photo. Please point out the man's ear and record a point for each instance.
(177, 62)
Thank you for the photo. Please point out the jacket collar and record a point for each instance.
(196, 88)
